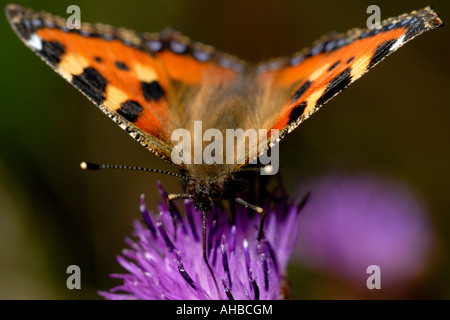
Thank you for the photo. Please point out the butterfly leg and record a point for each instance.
(170, 198)
(258, 210)
(205, 257)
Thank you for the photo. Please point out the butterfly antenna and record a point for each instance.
(94, 166)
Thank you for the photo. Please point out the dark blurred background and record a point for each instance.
(394, 121)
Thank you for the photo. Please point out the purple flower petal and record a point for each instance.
(161, 268)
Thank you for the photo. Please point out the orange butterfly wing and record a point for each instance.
(298, 86)
(137, 80)
(152, 84)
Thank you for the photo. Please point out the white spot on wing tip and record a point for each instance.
(35, 42)
(398, 43)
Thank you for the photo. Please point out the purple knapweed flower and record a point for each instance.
(161, 268)
(355, 221)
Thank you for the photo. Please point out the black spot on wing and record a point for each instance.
(334, 65)
(52, 51)
(130, 110)
(350, 60)
(122, 66)
(20, 20)
(92, 83)
(381, 51)
(301, 90)
(415, 26)
(98, 59)
(339, 83)
(297, 112)
(152, 90)
(22, 30)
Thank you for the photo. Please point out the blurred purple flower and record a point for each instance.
(159, 268)
(352, 222)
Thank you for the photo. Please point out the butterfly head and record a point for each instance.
(205, 193)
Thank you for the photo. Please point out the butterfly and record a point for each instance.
(151, 84)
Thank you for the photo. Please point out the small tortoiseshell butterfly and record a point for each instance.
(151, 84)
